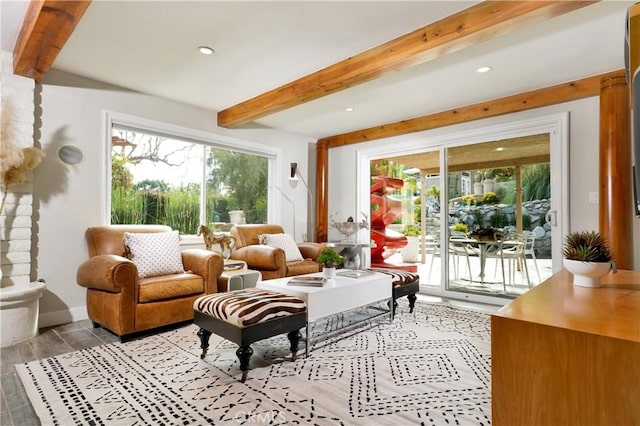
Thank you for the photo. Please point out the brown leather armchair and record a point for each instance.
(122, 302)
(271, 261)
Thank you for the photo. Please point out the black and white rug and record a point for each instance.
(431, 367)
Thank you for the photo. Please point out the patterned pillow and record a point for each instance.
(155, 253)
(285, 242)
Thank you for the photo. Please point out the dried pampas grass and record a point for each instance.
(15, 162)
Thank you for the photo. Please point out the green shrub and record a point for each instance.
(506, 193)
(499, 220)
(489, 198)
(411, 231)
(469, 200)
(434, 192)
(460, 227)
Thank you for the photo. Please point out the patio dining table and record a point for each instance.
(483, 247)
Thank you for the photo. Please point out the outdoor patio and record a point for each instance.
(492, 284)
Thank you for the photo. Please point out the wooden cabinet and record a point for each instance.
(568, 355)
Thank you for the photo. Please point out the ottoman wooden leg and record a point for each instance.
(204, 341)
(412, 301)
(294, 338)
(244, 355)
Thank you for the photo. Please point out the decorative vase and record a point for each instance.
(587, 274)
(329, 273)
(409, 252)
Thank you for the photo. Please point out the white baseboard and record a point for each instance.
(49, 319)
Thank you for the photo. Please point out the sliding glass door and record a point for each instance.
(482, 216)
(498, 197)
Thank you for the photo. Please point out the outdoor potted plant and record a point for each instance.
(481, 233)
(460, 228)
(329, 260)
(587, 257)
(409, 252)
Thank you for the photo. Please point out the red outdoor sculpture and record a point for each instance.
(385, 210)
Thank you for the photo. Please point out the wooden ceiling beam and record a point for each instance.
(560, 93)
(481, 22)
(46, 28)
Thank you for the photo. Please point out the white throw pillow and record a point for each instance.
(156, 253)
(285, 242)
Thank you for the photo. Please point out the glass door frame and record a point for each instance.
(556, 125)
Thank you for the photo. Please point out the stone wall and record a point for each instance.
(502, 217)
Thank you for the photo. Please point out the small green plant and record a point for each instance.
(587, 246)
(498, 220)
(411, 231)
(469, 200)
(489, 198)
(328, 258)
(434, 192)
(460, 227)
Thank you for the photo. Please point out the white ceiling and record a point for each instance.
(151, 47)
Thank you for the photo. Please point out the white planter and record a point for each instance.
(329, 273)
(409, 252)
(587, 274)
(19, 311)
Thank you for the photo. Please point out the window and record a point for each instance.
(182, 182)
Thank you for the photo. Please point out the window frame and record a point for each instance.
(134, 123)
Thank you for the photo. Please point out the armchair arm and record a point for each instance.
(107, 272)
(262, 258)
(310, 250)
(207, 264)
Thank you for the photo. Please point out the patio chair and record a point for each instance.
(458, 246)
(529, 245)
(511, 248)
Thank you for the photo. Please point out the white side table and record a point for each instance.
(238, 278)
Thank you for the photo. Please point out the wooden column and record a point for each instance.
(518, 172)
(322, 191)
(616, 205)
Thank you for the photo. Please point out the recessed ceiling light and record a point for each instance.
(349, 109)
(499, 148)
(484, 69)
(205, 50)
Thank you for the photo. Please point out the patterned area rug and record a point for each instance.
(431, 367)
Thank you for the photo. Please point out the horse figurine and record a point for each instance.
(226, 242)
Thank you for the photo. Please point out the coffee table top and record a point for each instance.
(339, 295)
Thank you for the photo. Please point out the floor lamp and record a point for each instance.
(294, 177)
(293, 207)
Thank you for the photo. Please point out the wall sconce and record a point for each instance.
(293, 171)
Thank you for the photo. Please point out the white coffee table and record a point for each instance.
(342, 295)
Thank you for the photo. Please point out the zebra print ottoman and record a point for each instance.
(404, 283)
(246, 316)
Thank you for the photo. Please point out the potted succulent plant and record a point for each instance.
(587, 257)
(329, 260)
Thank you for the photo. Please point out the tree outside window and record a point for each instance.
(158, 180)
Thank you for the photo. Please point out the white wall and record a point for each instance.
(583, 155)
(68, 199)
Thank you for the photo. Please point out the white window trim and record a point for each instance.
(274, 154)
